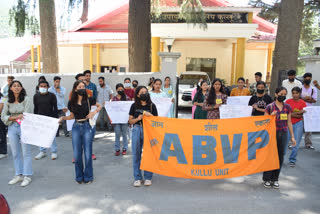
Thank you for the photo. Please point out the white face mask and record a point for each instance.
(43, 90)
(127, 85)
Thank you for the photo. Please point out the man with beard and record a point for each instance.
(309, 95)
(104, 95)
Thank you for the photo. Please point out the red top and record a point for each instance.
(296, 107)
(129, 92)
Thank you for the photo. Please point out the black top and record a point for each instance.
(135, 112)
(81, 111)
(45, 104)
(262, 102)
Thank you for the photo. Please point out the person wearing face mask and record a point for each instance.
(291, 82)
(260, 100)
(45, 103)
(282, 111)
(104, 95)
(141, 107)
(240, 90)
(309, 95)
(121, 129)
(198, 101)
(127, 88)
(80, 106)
(135, 84)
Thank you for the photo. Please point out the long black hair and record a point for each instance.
(21, 95)
(199, 92)
(74, 95)
(278, 90)
(137, 100)
(156, 80)
(123, 96)
(212, 92)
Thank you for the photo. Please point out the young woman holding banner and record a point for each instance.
(214, 99)
(198, 101)
(142, 106)
(297, 105)
(121, 129)
(79, 107)
(12, 114)
(282, 111)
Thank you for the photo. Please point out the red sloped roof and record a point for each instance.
(116, 19)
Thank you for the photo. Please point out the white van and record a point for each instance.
(187, 82)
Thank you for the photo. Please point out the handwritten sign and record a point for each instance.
(71, 122)
(38, 130)
(231, 111)
(238, 100)
(118, 111)
(311, 119)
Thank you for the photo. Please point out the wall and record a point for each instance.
(71, 59)
(256, 61)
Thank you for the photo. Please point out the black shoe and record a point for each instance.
(79, 182)
(67, 134)
(267, 184)
(310, 147)
(88, 182)
(276, 185)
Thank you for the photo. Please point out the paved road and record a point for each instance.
(54, 191)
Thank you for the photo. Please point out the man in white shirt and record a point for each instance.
(291, 82)
(104, 95)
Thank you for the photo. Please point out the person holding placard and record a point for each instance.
(297, 106)
(142, 106)
(12, 114)
(282, 111)
(260, 100)
(240, 90)
(156, 92)
(79, 107)
(121, 129)
(45, 103)
(214, 99)
(198, 101)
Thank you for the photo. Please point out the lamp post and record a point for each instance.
(169, 42)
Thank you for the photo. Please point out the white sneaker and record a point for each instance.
(137, 183)
(16, 179)
(26, 181)
(54, 156)
(147, 183)
(40, 155)
(3, 156)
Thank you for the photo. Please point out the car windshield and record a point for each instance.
(191, 79)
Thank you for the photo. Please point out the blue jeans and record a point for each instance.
(22, 165)
(121, 129)
(298, 132)
(82, 141)
(53, 147)
(137, 144)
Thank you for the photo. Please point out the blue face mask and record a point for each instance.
(127, 85)
(43, 90)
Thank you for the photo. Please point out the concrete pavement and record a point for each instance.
(54, 191)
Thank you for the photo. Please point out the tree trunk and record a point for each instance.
(287, 43)
(84, 16)
(48, 31)
(139, 40)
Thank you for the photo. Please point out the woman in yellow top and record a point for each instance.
(240, 90)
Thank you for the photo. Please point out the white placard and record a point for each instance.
(163, 105)
(118, 111)
(234, 111)
(38, 130)
(238, 100)
(311, 119)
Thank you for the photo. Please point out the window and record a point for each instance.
(207, 65)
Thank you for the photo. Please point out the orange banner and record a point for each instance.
(209, 149)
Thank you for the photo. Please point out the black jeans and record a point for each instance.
(63, 123)
(3, 138)
(273, 175)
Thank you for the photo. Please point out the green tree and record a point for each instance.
(139, 29)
